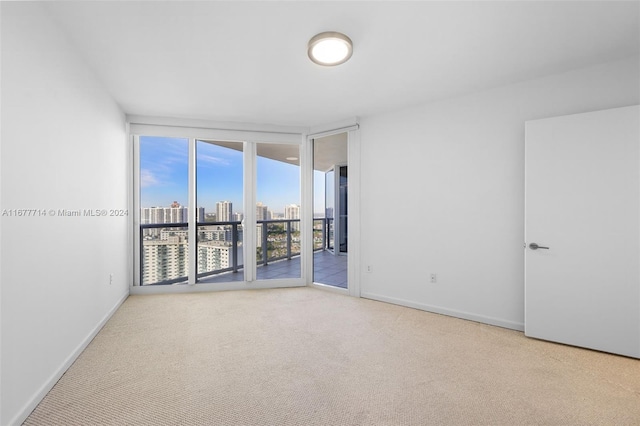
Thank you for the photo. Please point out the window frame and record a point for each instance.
(250, 136)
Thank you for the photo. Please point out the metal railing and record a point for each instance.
(280, 237)
(270, 245)
(325, 232)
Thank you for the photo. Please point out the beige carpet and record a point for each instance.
(309, 357)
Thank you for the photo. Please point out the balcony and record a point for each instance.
(164, 256)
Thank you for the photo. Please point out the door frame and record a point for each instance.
(352, 128)
(581, 230)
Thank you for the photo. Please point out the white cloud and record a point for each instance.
(147, 178)
(211, 159)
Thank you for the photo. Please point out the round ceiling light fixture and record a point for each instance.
(330, 48)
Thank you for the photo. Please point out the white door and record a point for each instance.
(582, 196)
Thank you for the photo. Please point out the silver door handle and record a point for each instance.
(535, 246)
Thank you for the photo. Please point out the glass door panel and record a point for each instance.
(164, 192)
(277, 211)
(330, 235)
(330, 204)
(219, 195)
(342, 209)
(319, 213)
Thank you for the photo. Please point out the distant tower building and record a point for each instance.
(175, 215)
(152, 215)
(292, 211)
(224, 211)
(238, 217)
(262, 212)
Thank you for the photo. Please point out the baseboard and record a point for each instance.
(212, 287)
(50, 383)
(445, 311)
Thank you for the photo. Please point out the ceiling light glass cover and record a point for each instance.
(330, 48)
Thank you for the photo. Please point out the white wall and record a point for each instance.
(63, 147)
(443, 192)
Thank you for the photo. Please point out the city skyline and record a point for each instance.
(219, 177)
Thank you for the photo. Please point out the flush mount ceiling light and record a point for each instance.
(330, 48)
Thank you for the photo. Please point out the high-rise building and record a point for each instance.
(179, 214)
(168, 258)
(176, 215)
(262, 212)
(152, 215)
(165, 250)
(168, 234)
(165, 259)
(292, 211)
(215, 233)
(238, 217)
(224, 211)
(213, 256)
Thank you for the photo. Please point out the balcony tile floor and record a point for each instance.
(328, 269)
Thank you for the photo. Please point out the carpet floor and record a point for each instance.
(304, 356)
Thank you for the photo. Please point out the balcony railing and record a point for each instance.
(164, 257)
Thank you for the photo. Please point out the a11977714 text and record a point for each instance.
(65, 212)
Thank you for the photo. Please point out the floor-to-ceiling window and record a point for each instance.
(164, 192)
(219, 195)
(214, 211)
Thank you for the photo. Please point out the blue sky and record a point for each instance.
(164, 176)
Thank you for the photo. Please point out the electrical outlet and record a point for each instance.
(368, 268)
(110, 279)
(434, 278)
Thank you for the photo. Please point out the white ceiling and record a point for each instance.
(330, 151)
(247, 61)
